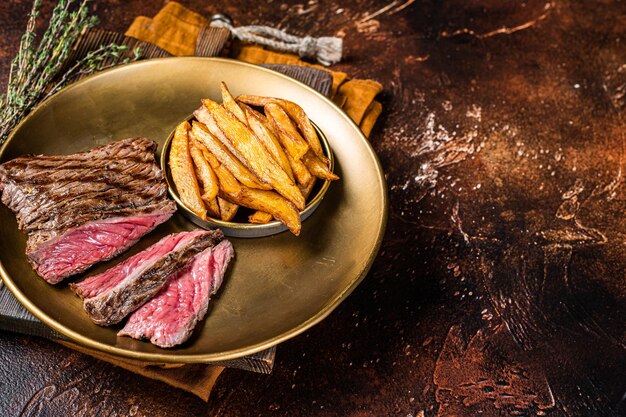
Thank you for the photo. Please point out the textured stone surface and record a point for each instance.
(499, 288)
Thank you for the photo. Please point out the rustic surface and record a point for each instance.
(500, 286)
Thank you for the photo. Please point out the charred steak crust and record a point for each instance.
(54, 195)
(111, 307)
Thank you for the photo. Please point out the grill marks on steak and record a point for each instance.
(170, 317)
(86, 207)
(142, 276)
(92, 184)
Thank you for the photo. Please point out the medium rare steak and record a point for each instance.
(87, 207)
(112, 295)
(136, 264)
(170, 317)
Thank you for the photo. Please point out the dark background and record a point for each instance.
(500, 285)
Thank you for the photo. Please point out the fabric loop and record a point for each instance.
(326, 50)
(308, 47)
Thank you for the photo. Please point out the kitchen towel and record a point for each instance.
(179, 31)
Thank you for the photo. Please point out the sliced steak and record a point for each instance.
(87, 207)
(170, 317)
(112, 295)
(137, 264)
(79, 248)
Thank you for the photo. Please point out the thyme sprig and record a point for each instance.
(38, 72)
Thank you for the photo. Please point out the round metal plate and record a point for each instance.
(277, 286)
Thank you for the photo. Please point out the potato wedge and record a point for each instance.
(210, 158)
(255, 155)
(317, 167)
(306, 127)
(204, 172)
(260, 217)
(225, 179)
(182, 169)
(306, 191)
(209, 125)
(257, 101)
(288, 134)
(300, 171)
(270, 202)
(297, 114)
(206, 177)
(228, 210)
(200, 133)
(229, 102)
(263, 131)
(212, 208)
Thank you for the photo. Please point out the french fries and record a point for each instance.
(213, 208)
(260, 217)
(235, 156)
(254, 153)
(263, 131)
(227, 180)
(297, 114)
(306, 191)
(317, 167)
(306, 127)
(271, 202)
(183, 174)
(205, 117)
(204, 172)
(234, 192)
(200, 133)
(231, 105)
(228, 210)
(300, 171)
(287, 132)
(206, 177)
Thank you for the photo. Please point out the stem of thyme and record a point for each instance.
(38, 72)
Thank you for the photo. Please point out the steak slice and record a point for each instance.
(170, 317)
(136, 264)
(87, 207)
(127, 286)
(79, 248)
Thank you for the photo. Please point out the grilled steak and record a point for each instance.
(170, 317)
(87, 207)
(112, 295)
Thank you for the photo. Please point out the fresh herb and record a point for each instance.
(38, 72)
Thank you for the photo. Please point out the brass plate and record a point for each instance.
(277, 286)
(244, 229)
